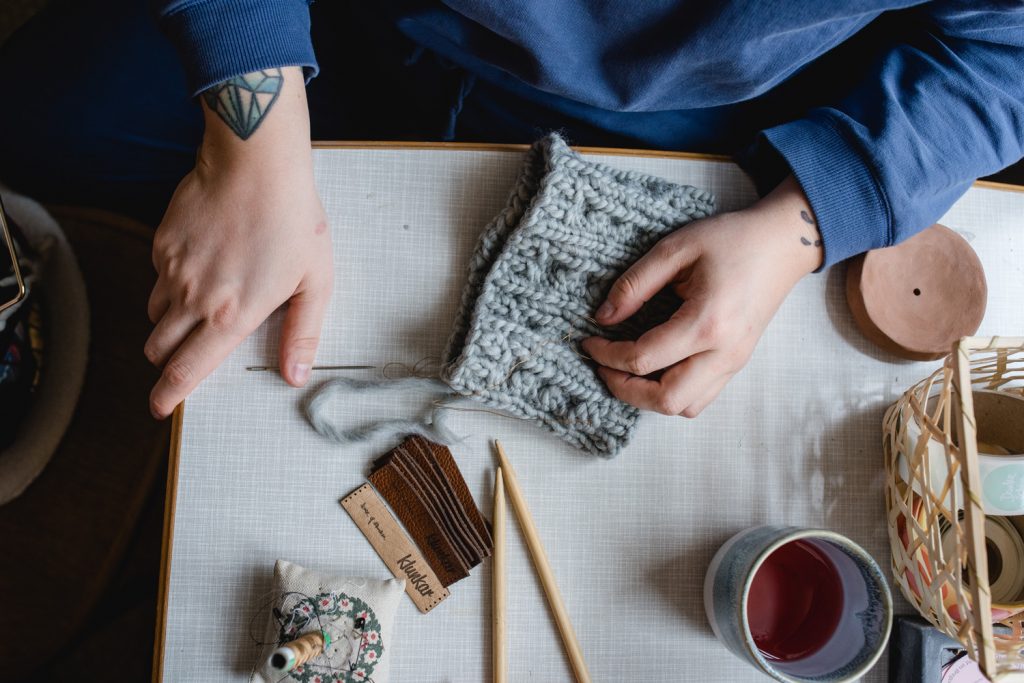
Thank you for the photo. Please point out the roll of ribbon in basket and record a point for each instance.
(1000, 427)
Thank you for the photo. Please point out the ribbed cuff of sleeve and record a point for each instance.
(848, 202)
(221, 39)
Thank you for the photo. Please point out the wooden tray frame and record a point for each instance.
(179, 413)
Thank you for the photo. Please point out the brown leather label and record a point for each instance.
(421, 523)
(443, 459)
(419, 476)
(381, 529)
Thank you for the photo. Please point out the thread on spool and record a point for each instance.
(322, 657)
(299, 651)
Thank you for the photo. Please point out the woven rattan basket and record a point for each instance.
(934, 505)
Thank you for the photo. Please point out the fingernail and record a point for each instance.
(300, 372)
(606, 310)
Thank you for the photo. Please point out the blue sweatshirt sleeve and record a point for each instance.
(220, 39)
(936, 112)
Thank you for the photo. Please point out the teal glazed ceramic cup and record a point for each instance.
(862, 624)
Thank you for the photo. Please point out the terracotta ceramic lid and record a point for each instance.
(916, 299)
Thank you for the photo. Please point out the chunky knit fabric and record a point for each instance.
(539, 272)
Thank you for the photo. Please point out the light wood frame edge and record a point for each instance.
(172, 471)
(170, 503)
(613, 151)
(507, 147)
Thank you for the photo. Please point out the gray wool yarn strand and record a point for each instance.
(569, 228)
(322, 418)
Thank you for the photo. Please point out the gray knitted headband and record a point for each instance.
(540, 270)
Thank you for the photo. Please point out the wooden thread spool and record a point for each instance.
(299, 651)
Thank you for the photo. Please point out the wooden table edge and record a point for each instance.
(170, 504)
(505, 147)
(178, 418)
(401, 145)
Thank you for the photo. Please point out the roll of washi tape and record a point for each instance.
(1000, 426)
(1005, 561)
(1004, 546)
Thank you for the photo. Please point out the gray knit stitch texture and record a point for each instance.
(540, 270)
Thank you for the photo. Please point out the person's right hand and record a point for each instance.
(244, 233)
(732, 271)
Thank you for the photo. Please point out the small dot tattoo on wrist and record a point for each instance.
(810, 221)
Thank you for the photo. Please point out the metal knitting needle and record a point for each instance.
(260, 369)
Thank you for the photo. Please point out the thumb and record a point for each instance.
(646, 277)
(300, 335)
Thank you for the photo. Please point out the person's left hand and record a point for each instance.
(244, 233)
(733, 271)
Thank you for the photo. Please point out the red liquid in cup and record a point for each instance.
(795, 601)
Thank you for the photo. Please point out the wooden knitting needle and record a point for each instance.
(498, 572)
(540, 563)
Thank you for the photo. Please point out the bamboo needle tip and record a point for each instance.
(540, 563)
(502, 459)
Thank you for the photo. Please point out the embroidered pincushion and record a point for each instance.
(355, 614)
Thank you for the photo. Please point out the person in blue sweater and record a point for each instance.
(860, 122)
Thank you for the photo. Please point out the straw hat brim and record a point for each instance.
(65, 309)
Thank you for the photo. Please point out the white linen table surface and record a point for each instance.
(795, 438)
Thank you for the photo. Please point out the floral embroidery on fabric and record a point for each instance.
(356, 643)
